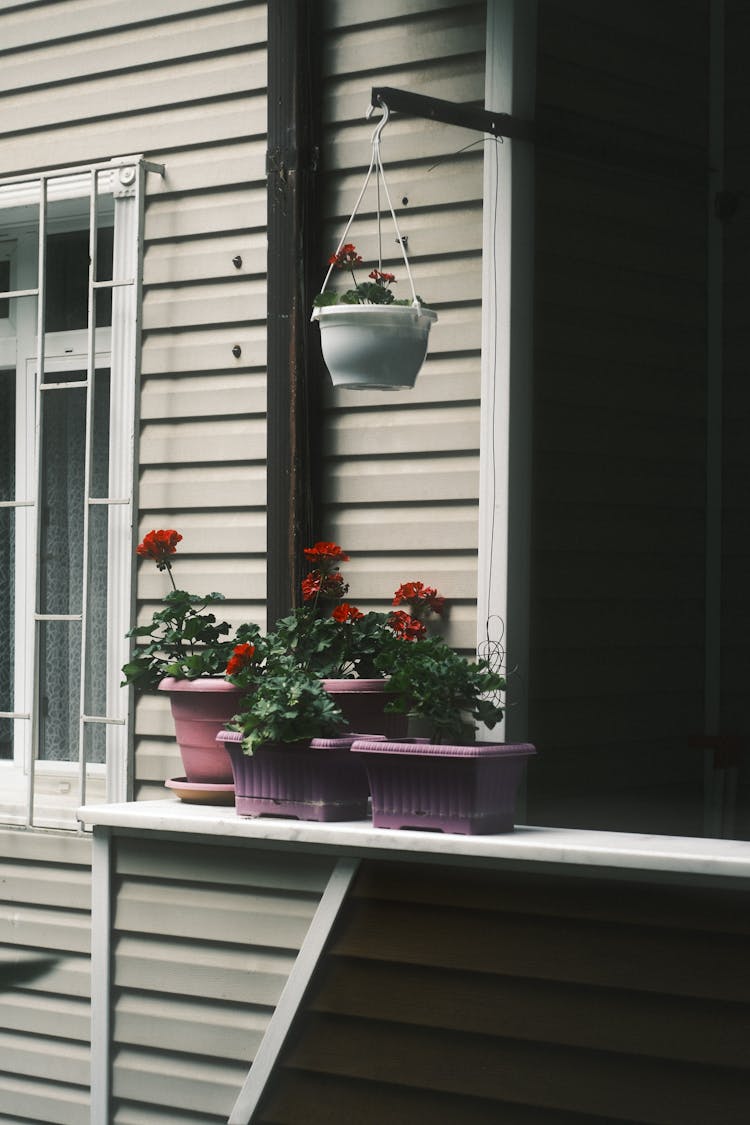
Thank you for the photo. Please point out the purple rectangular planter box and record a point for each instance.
(467, 789)
(320, 780)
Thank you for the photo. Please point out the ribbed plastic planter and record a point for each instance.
(363, 704)
(319, 780)
(200, 708)
(467, 789)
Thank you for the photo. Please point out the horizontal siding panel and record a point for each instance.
(172, 263)
(652, 1091)
(193, 1084)
(205, 442)
(169, 1024)
(237, 163)
(44, 928)
(156, 762)
(197, 215)
(452, 230)
(351, 13)
(70, 975)
(157, 131)
(425, 529)
(430, 430)
(44, 1102)
(54, 1059)
(76, 18)
(110, 97)
(202, 531)
(439, 34)
(453, 184)
(349, 147)
(217, 865)
(208, 350)
(226, 915)
(196, 305)
(372, 577)
(48, 885)
(234, 577)
(45, 1015)
(46, 847)
(404, 479)
(222, 393)
(221, 972)
(240, 486)
(553, 1013)
(126, 49)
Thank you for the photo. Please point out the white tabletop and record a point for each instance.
(525, 845)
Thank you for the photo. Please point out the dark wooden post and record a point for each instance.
(292, 168)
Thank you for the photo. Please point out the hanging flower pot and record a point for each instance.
(369, 337)
(376, 347)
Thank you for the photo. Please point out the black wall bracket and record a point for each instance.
(452, 113)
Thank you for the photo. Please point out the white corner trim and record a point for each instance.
(101, 952)
(294, 991)
(506, 394)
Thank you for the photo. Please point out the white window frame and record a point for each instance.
(59, 196)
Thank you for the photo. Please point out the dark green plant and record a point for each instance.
(449, 693)
(288, 704)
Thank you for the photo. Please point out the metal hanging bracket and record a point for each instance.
(452, 113)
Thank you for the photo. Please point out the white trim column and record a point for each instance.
(506, 406)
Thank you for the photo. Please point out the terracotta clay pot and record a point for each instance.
(200, 708)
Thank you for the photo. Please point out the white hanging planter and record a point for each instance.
(372, 343)
(380, 347)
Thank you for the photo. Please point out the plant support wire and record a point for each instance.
(376, 164)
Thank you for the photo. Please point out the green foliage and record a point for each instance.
(182, 640)
(333, 649)
(289, 704)
(432, 682)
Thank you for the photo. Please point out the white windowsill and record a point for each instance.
(576, 848)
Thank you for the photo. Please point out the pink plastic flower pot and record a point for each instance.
(319, 780)
(363, 704)
(467, 789)
(200, 708)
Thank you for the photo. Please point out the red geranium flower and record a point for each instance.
(383, 278)
(325, 553)
(241, 656)
(346, 612)
(419, 596)
(346, 257)
(320, 585)
(406, 627)
(159, 545)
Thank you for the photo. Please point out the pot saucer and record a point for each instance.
(201, 793)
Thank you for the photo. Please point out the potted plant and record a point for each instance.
(446, 781)
(185, 654)
(289, 756)
(351, 651)
(369, 338)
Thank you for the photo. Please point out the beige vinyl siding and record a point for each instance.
(617, 635)
(466, 996)
(204, 938)
(183, 83)
(45, 911)
(401, 468)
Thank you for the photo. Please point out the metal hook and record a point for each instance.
(382, 123)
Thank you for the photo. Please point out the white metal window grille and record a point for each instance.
(74, 416)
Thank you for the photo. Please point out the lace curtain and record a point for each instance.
(61, 559)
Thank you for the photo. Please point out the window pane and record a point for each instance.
(96, 634)
(66, 302)
(61, 528)
(59, 690)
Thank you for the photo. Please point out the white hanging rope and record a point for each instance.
(376, 162)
